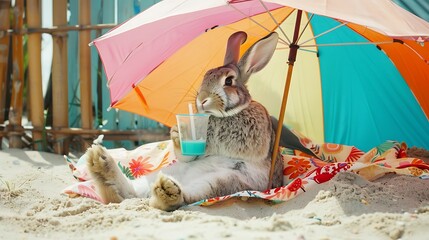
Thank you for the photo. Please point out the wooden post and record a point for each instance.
(4, 53)
(59, 76)
(35, 73)
(85, 65)
(15, 111)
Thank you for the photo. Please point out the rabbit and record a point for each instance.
(240, 139)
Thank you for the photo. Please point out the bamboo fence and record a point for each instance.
(59, 135)
(17, 83)
(4, 53)
(35, 72)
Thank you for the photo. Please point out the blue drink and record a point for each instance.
(192, 148)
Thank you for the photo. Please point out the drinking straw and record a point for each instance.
(191, 112)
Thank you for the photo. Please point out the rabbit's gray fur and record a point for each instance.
(239, 142)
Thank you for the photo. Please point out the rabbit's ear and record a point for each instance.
(233, 48)
(258, 55)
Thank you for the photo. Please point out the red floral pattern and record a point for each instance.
(354, 155)
(140, 166)
(296, 167)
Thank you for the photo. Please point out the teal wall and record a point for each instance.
(102, 11)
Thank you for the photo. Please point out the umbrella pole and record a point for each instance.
(291, 60)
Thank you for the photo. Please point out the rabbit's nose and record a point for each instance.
(204, 104)
(200, 104)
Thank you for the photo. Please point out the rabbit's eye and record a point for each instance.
(228, 81)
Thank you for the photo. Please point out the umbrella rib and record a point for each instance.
(276, 22)
(305, 27)
(346, 44)
(308, 50)
(323, 33)
(300, 49)
(253, 20)
(414, 51)
(126, 58)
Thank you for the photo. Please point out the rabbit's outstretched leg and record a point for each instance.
(167, 194)
(108, 179)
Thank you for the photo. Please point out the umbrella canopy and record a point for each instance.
(155, 62)
(359, 94)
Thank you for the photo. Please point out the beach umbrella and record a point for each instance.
(155, 62)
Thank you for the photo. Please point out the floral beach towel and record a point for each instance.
(301, 170)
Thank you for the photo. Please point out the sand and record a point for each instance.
(347, 207)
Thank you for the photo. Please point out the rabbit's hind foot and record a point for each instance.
(105, 174)
(167, 195)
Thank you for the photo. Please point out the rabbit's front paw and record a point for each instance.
(166, 194)
(174, 135)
